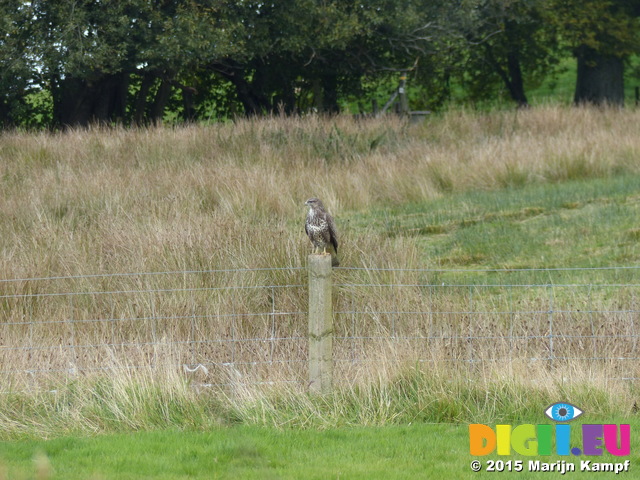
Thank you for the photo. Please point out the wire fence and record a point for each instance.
(250, 325)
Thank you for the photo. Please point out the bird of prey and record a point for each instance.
(321, 230)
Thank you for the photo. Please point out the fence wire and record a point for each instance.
(250, 325)
(217, 325)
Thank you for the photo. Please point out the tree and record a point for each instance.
(131, 62)
(602, 36)
(107, 61)
(508, 43)
(16, 63)
(292, 48)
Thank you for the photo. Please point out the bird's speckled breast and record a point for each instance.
(316, 228)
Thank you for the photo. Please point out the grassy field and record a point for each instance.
(394, 452)
(477, 199)
(244, 452)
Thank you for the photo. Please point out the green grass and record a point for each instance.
(588, 222)
(245, 452)
(435, 451)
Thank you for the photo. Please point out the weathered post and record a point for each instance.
(320, 324)
(403, 108)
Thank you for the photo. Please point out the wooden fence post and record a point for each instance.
(320, 324)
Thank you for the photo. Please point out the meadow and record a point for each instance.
(544, 196)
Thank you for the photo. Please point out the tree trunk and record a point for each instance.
(6, 120)
(600, 78)
(140, 108)
(71, 102)
(110, 99)
(189, 113)
(160, 101)
(252, 105)
(318, 94)
(121, 98)
(79, 102)
(511, 76)
(516, 83)
(253, 102)
(252, 98)
(285, 102)
(330, 93)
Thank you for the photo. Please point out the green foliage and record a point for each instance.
(609, 27)
(132, 53)
(511, 44)
(141, 62)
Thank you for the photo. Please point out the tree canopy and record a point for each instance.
(72, 63)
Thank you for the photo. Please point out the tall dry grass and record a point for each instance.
(201, 196)
(226, 197)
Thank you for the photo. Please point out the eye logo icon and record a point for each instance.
(562, 412)
(530, 440)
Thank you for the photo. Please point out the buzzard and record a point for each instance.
(321, 230)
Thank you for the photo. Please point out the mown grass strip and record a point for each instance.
(581, 223)
(434, 451)
(243, 453)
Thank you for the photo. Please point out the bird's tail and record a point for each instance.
(334, 257)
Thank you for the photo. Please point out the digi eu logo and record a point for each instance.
(528, 439)
(562, 412)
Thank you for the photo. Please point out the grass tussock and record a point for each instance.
(414, 394)
(125, 400)
(221, 206)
